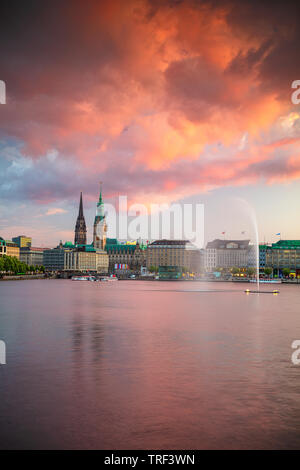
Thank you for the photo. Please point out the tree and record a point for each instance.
(286, 272)
(268, 271)
(235, 270)
(8, 264)
(153, 269)
(251, 271)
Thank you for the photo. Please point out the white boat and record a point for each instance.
(83, 278)
(80, 278)
(108, 278)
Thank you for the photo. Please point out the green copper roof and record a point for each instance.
(286, 245)
(111, 241)
(100, 202)
(118, 247)
(68, 245)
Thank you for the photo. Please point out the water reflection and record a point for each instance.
(148, 365)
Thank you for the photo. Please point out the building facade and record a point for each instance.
(69, 257)
(262, 256)
(80, 227)
(12, 249)
(33, 256)
(133, 256)
(226, 254)
(22, 241)
(2, 247)
(174, 253)
(285, 254)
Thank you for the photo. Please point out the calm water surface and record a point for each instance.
(152, 365)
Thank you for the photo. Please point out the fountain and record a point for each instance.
(254, 222)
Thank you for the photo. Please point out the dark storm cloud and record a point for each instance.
(177, 75)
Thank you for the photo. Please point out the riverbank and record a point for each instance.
(24, 277)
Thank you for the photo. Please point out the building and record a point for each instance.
(9, 248)
(80, 227)
(22, 241)
(33, 256)
(100, 226)
(262, 256)
(2, 247)
(252, 256)
(87, 260)
(123, 256)
(12, 249)
(174, 254)
(55, 259)
(226, 254)
(80, 258)
(284, 254)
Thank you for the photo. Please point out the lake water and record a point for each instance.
(148, 365)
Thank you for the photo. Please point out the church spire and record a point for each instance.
(100, 226)
(80, 227)
(80, 213)
(100, 202)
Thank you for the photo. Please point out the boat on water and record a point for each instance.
(94, 279)
(267, 281)
(83, 278)
(108, 278)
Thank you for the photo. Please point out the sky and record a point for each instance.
(163, 101)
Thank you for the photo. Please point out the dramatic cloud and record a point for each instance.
(55, 210)
(159, 99)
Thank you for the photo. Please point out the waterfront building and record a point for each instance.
(54, 259)
(69, 257)
(174, 253)
(284, 254)
(252, 256)
(12, 249)
(100, 226)
(80, 227)
(226, 254)
(22, 241)
(33, 256)
(262, 256)
(132, 254)
(2, 247)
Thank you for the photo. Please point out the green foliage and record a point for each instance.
(268, 271)
(11, 264)
(286, 272)
(251, 271)
(153, 269)
(235, 270)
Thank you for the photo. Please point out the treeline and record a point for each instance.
(11, 264)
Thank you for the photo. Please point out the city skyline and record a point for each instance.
(174, 102)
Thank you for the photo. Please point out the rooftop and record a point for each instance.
(169, 242)
(225, 244)
(286, 245)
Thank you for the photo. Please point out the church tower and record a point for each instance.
(100, 226)
(80, 227)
